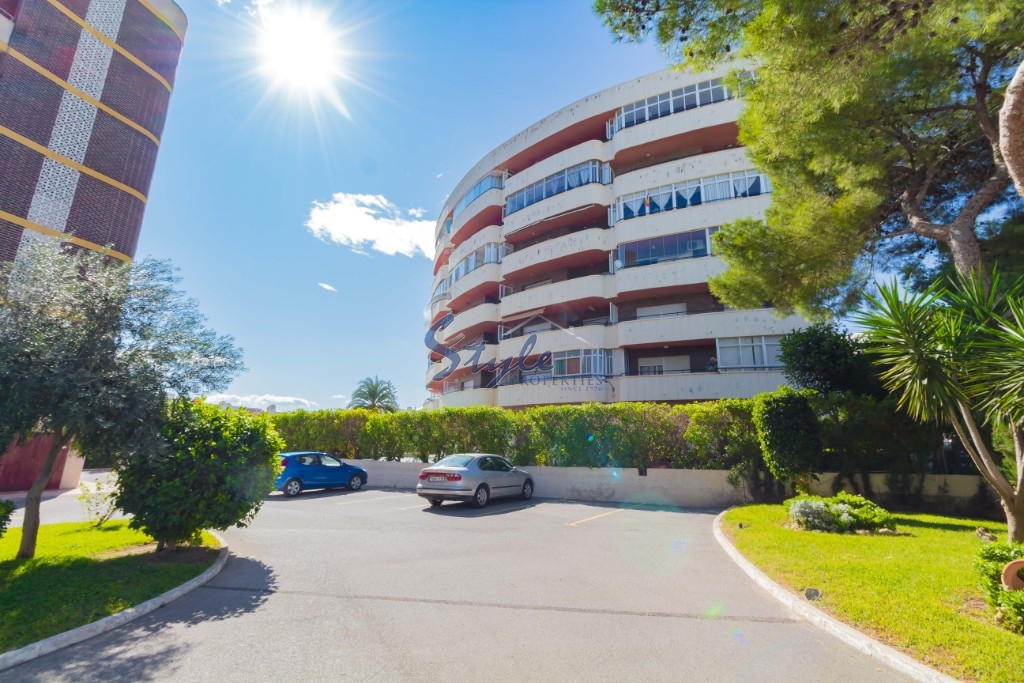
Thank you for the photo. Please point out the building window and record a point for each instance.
(494, 179)
(689, 193)
(749, 353)
(492, 252)
(582, 362)
(576, 176)
(680, 100)
(683, 245)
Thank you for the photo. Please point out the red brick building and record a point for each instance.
(84, 88)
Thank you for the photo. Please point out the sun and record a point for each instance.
(300, 51)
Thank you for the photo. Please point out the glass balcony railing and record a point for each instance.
(575, 176)
(689, 193)
(673, 102)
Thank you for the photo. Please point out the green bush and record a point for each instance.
(6, 510)
(215, 469)
(788, 432)
(842, 512)
(1008, 605)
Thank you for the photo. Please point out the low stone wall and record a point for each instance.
(683, 488)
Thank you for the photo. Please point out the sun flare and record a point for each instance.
(300, 51)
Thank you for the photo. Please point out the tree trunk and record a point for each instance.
(1015, 509)
(1015, 520)
(30, 527)
(1011, 129)
(964, 247)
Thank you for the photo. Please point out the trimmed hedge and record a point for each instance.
(719, 435)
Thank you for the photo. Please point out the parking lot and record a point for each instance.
(376, 585)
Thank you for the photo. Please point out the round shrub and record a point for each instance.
(842, 512)
(216, 467)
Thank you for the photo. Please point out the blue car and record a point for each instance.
(313, 470)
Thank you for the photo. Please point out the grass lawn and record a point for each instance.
(82, 573)
(916, 591)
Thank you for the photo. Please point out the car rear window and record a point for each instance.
(455, 461)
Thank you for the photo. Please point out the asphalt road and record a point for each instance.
(376, 586)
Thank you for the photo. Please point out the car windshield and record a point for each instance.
(454, 461)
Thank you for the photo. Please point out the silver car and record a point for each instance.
(473, 477)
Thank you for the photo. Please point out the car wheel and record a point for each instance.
(355, 483)
(482, 495)
(527, 493)
(435, 502)
(292, 487)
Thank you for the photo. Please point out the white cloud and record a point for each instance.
(417, 213)
(340, 397)
(370, 221)
(327, 287)
(261, 401)
(440, 175)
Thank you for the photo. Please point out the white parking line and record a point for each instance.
(365, 500)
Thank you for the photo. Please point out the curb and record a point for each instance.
(851, 636)
(77, 635)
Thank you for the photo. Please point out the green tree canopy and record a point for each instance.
(90, 348)
(826, 358)
(374, 393)
(877, 124)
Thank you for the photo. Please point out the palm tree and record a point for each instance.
(955, 351)
(374, 393)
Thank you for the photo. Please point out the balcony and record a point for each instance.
(476, 284)
(697, 325)
(568, 339)
(681, 170)
(568, 250)
(668, 274)
(556, 390)
(441, 254)
(466, 356)
(485, 210)
(696, 131)
(589, 150)
(559, 205)
(490, 234)
(439, 305)
(599, 288)
(696, 386)
(467, 398)
(472, 322)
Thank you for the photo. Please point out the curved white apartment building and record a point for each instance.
(572, 262)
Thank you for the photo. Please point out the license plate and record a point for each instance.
(435, 478)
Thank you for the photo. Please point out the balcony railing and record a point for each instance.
(569, 179)
(674, 102)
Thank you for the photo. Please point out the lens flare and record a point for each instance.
(714, 611)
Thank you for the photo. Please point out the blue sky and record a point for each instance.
(297, 222)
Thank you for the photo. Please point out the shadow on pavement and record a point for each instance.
(129, 653)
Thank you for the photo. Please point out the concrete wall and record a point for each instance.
(683, 488)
